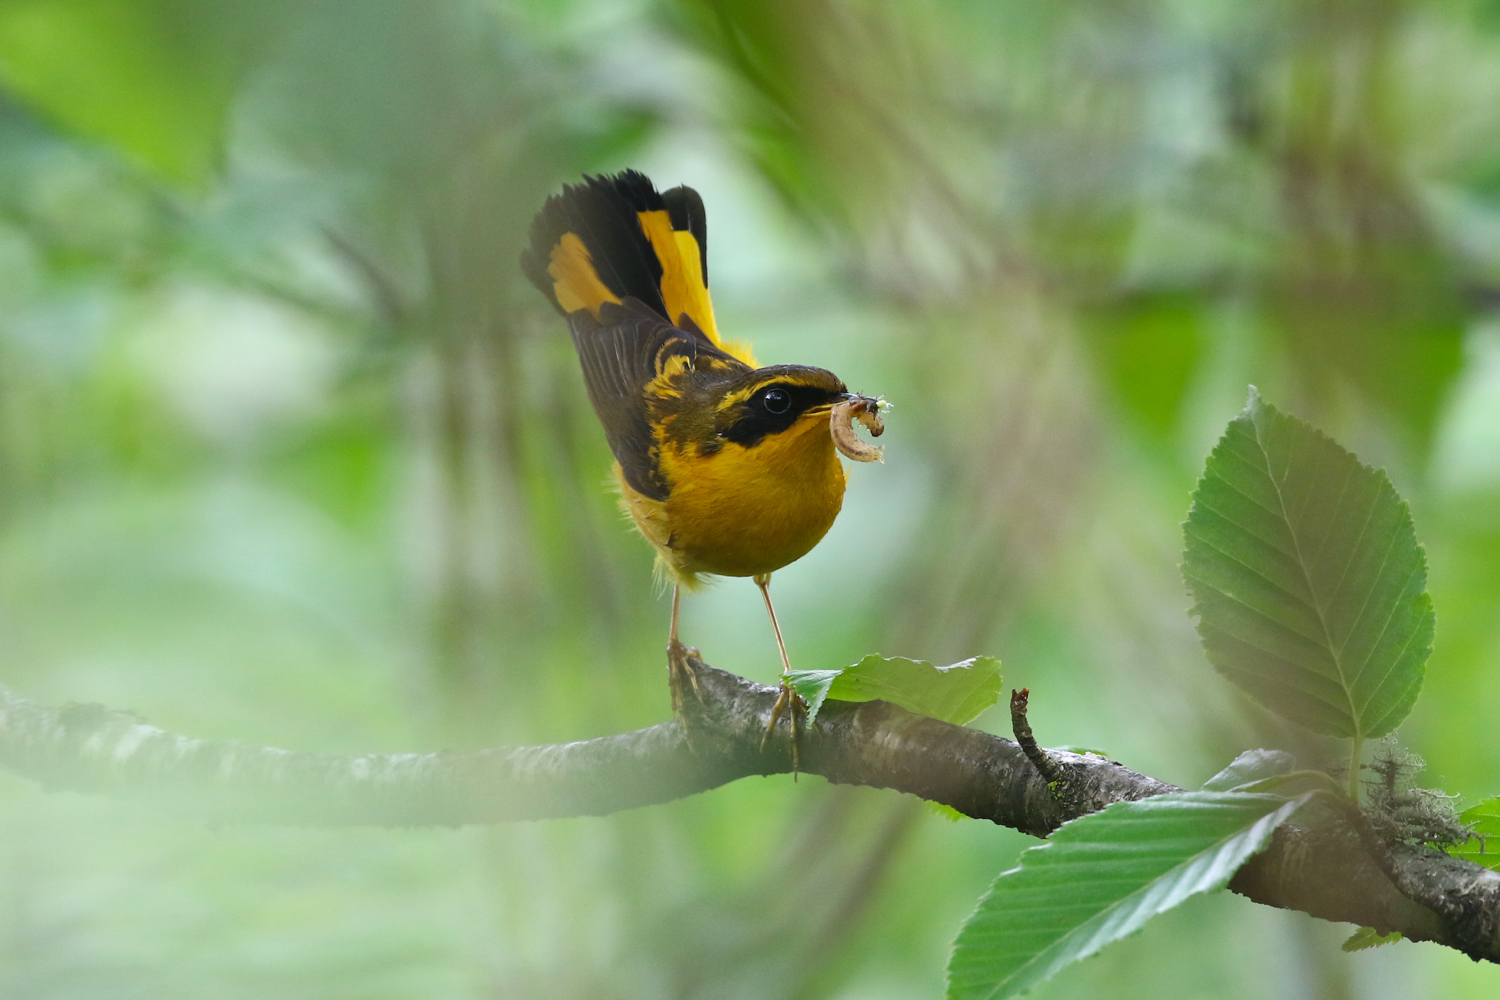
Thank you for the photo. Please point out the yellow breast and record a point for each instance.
(744, 511)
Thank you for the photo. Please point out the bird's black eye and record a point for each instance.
(777, 401)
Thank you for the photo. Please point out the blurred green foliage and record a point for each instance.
(290, 453)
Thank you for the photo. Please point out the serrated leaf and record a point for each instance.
(813, 686)
(1308, 582)
(1484, 821)
(1100, 878)
(1369, 937)
(957, 693)
(947, 812)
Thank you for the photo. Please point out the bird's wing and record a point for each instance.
(628, 353)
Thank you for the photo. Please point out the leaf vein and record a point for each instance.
(1327, 638)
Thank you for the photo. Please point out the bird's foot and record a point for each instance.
(790, 704)
(680, 673)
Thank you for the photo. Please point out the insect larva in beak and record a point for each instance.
(841, 425)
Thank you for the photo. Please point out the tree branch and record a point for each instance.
(1320, 867)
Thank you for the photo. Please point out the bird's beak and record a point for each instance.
(823, 409)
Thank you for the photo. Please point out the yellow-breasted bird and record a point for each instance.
(726, 467)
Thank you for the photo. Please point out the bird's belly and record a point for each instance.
(744, 512)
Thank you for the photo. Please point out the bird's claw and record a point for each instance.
(680, 670)
(790, 704)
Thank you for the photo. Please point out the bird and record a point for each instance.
(726, 468)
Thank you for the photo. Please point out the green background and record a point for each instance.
(290, 453)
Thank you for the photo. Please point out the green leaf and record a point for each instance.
(1250, 767)
(1079, 748)
(1485, 816)
(1100, 878)
(948, 813)
(1369, 937)
(957, 693)
(1308, 582)
(1272, 771)
(1484, 821)
(813, 686)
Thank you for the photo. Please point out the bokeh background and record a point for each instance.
(290, 453)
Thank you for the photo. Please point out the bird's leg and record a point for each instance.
(678, 667)
(788, 702)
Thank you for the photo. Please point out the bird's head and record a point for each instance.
(749, 408)
(776, 400)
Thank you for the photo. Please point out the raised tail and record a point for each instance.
(615, 237)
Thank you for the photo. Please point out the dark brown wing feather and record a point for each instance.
(622, 353)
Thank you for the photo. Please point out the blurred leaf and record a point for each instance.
(1406, 363)
(1100, 878)
(1080, 748)
(948, 813)
(153, 78)
(1483, 822)
(1390, 322)
(1369, 937)
(1149, 349)
(766, 49)
(1250, 767)
(958, 693)
(1273, 771)
(1308, 582)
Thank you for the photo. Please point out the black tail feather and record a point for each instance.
(602, 213)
